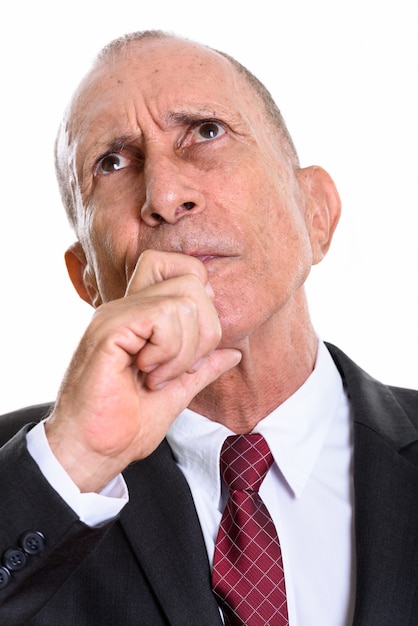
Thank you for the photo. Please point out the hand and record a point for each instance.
(139, 364)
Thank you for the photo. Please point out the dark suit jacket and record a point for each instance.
(150, 566)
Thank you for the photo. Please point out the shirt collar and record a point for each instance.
(295, 432)
(297, 429)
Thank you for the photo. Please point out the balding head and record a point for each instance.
(129, 45)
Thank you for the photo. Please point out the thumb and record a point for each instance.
(206, 371)
(209, 368)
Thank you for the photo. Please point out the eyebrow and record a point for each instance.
(189, 117)
(172, 118)
(116, 145)
(183, 118)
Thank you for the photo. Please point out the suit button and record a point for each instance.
(14, 559)
(4, 577)
(33, 542)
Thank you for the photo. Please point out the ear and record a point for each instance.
(322, 207)
(81, 275)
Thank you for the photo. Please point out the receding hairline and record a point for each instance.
(116, 46)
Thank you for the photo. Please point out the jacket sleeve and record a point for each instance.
(42, 541)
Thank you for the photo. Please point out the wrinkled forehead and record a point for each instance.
(157, 72)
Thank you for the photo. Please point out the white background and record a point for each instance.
(345, 77)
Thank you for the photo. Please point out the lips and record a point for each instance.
(205, 257)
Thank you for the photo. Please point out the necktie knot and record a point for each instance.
(245, 461)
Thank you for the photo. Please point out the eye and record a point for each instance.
(206, 131)
(111, 163)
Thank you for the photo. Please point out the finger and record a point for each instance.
(174, 396)
(155, 315)
(174, 337)
(155, 266)
(175, 348)
(188, 385)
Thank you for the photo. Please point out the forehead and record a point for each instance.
(161, 75)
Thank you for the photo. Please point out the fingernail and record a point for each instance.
(196, 366)
(161, 385)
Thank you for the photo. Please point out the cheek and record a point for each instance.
(277, 261)
(279, 231)
(112, 245)
(290, 254)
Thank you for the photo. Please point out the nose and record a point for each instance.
(170, 191)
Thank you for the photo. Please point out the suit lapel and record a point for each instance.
(386, 502)
(386, 516)
(162, 525)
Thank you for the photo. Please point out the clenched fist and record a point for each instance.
(141, 361)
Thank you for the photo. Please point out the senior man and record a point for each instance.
(208, 458)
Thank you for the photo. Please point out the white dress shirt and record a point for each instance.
(308, 490)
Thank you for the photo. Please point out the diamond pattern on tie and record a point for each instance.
(247, 576)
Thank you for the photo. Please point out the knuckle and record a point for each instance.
(148, 257)
(166, 307)
(215, 332)
(189, 306)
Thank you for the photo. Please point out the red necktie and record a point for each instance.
(247, 576)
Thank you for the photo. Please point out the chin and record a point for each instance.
(234, 332)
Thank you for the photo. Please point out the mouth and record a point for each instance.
(205, 258)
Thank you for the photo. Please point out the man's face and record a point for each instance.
(173, 152)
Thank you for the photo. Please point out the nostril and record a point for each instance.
(166, 216)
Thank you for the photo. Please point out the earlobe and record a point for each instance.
(80, 275)
(323, 208)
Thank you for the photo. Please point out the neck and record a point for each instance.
(276, 360)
